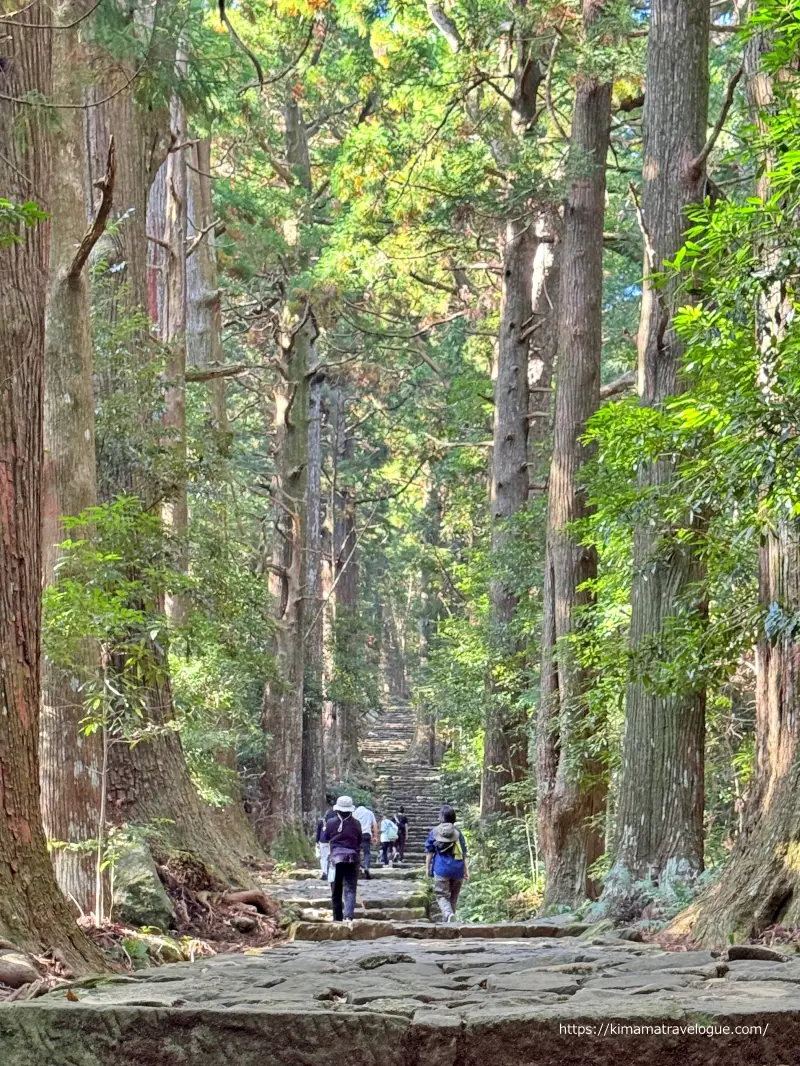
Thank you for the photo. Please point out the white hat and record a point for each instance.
(344, 803)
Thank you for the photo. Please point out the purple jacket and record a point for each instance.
(343, 833)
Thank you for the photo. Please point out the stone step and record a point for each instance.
(401, 873)
(385, 914)
(367, 929)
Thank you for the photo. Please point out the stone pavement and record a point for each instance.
(401, 1001)
(395, 989)
(402, 776)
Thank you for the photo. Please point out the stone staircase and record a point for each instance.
(401, 779)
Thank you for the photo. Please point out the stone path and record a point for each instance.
(521, 1001)
(394, 989)
(400, 778)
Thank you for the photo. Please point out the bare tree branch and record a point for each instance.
(211, 373)
(624, 383)
(445, 25)
(548, 83)
(696, 166)
(95, 230)
(194, 244)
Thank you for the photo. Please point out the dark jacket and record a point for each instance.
(343, 833)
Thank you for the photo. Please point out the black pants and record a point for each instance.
(387, 847)
(401, 846)
(344, 883)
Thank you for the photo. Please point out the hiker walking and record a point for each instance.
(369, 835)
(343, 834)
(402, 832)
(323, 849)
(446, 862)
(389, 835)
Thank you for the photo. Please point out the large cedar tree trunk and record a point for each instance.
(282, 712)
(149, 782)
(346, 603)
(313, 693)
(33, 913)
(505, 732)
(175, 510)
(659, 830)
(542, 354)
(282, 709)
(761, 884)
(204, 311)
(569, 795)
(71, 761)
(425, 742)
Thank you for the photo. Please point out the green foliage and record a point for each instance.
(506, 880)
(109, 591)
(16, 218)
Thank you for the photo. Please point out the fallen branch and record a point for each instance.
(263, 903)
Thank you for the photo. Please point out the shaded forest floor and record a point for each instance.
(212, 920)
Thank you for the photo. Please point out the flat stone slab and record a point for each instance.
(403, 1001)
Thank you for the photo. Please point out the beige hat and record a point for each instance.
(344, 803)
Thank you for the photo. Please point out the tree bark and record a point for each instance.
(761, 884)
(33, 913)
(346, 602)
(659, 832)
(282, 710)
(330, 729)
(570, 794)
(542, 353)
(505, 734)
(175, 510)
(141, 134)
(71, 761)
(425, 742)
(204, 313)
(149, 782)
(313, 691)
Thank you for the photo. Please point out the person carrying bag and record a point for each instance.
(343, 833)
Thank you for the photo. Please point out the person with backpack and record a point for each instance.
(402, 832)
(389, 836)
(446, 862)
(369, 835)
(322, 848)
(343, 834)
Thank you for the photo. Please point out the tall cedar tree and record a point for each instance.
(659, 830)
(761, 885)
(570, 793)
(33, 913)
(71, 758)
(282, 712)
(149, 782)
